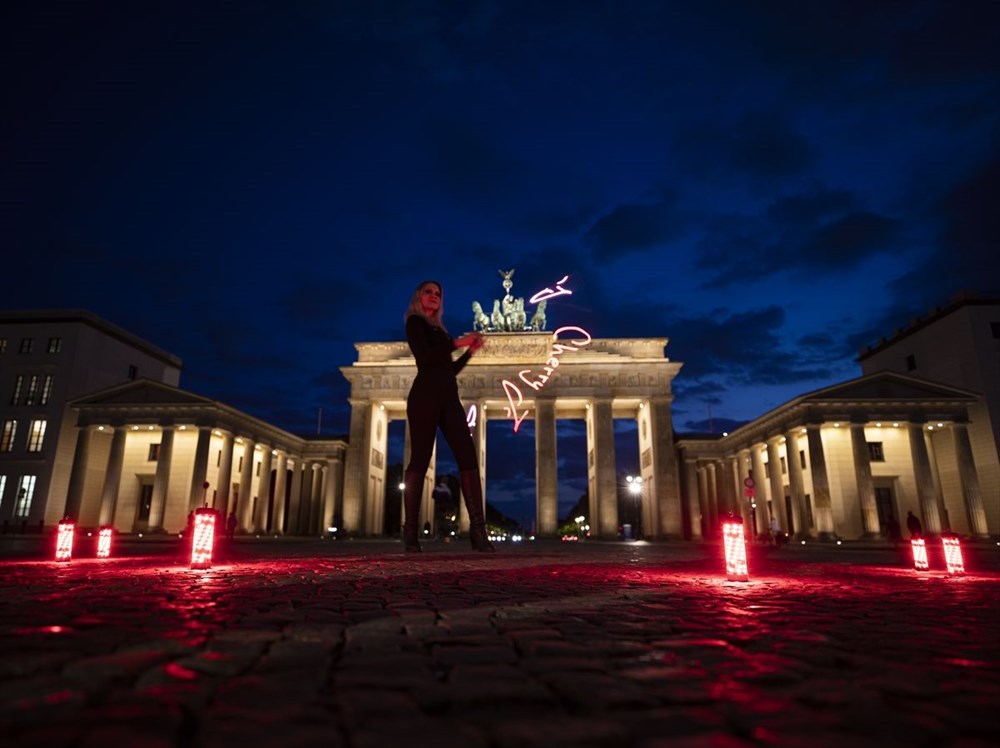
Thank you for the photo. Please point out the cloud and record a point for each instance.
(633, 228)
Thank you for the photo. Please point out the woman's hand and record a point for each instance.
(473, 341)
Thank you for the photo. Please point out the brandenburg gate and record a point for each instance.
(536, 375)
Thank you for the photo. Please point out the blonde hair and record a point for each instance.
(416, 307)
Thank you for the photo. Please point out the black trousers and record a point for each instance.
(431, 405)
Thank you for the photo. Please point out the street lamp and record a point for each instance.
(634, 486)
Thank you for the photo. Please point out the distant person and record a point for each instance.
(433, 403)
(775, 530)
(913, 525)
(231, 525)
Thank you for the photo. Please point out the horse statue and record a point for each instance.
(538, 318)
(496, 318)
(480, 321)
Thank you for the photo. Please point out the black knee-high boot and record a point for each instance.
(472, 490)
(412, 494)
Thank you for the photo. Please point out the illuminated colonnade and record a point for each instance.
(596, 380)
(144, 451)
(839, 462)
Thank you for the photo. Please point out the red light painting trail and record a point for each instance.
(64, 541)
(919, 554)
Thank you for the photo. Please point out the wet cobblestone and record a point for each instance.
(355, 644)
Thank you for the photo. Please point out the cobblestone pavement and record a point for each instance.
(354, 644)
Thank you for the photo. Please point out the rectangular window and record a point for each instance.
(875, 452)
(767, 470)
(18, 387)
(911, 362)
(36, 435)
(218, 459)
(7, 438)
(145, 501)
(33, 386)
(26, 344)
(802, 458)
(257, 469)
(55, 345)
(154, 452)
(784, 465)
(133, 371)
(239, 468)
(46, 390)
(25, 493)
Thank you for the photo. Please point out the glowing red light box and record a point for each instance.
(104, 543)
(736, 551)
(203, 539)
(919, 554)
(953, 555)
(64, 541)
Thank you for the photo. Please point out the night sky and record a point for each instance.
(255, 186)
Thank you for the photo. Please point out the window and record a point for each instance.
(218, 459)
(32, 395)
(802, 458)
(784, 466)
(25, 492)
(26, 344)
(145, 501)
(55, 345)
(46, 390)
(7, 438)
(875, 452)
(911, 362)
(36, 435)
(18, 386)
(767, 470)
(154, 452)
(3, 345)
(239, 469)
(257, 469)
(133, 371)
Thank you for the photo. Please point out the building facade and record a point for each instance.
(47, 359)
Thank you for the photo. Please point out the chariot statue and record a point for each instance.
(509, 313)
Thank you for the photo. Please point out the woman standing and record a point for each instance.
(433, 403)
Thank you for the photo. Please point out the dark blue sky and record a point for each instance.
(255, 186)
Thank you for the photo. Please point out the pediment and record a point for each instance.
(886, 385)
(141, 392)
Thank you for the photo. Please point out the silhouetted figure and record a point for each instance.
(913, 525)
(892, 530)
(433, 403)
(231, 525)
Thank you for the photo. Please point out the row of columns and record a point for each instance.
(316, 481)
(662, 513)
(716, 496)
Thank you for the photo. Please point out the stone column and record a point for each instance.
(604, 486)
(307, 496)
(331, 479)
(546, 483)
(744, 467)
(760, 480)
(162, 479)
(866, 486)
(777, 483)
(315, 525)
(113, 477)
(970, 481)
(708, 519)
(797, 485)
(693, 495)
(295, 499)
(244, 505)
(358, 465)
(225, 475)
(262, 518)
(200, 471)
(78, 475)
(280, 481)
(665, 486)
(822, 502)
(712, 486)
(924, 479)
